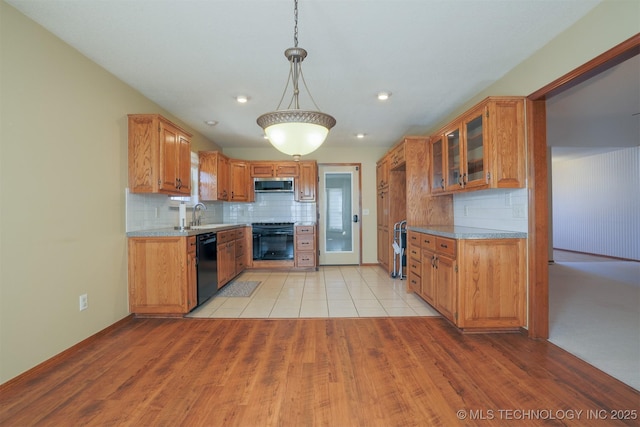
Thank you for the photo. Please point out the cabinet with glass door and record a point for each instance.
(437, 164)
(484, 148)
(473, 169)
(453, 159)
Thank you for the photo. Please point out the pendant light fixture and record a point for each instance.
(294, 131)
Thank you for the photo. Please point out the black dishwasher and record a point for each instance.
(207, 261)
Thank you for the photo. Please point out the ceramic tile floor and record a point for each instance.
(334, 291)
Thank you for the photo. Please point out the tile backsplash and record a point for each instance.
(270, 207)
(497, 209)
(150, 211)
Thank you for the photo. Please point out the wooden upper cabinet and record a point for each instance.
(437, 164)
(475, 162)
(240, 181)
(397, 158)
(452, 149)
(382, 172)
(213, 176)
(268, 169)
(506, 134)
(262, 169)
(287, 169)
(159, 156)
(307, 182)
(484, 148)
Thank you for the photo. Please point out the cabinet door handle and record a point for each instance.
(442, 245)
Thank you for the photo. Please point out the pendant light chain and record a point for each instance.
(295, 28)
(294, 131)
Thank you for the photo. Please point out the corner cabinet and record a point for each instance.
(477, 284)
(213, 174)
(159, 156)
(483, 148)
(162, 275)
(307, 181)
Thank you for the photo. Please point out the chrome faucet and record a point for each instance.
(193, 217)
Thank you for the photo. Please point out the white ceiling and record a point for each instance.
(598, 115)
(193, 57)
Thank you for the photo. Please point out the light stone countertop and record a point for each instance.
(460, 232)
(172, 232)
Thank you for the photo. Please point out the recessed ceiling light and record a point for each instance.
(210, 122)
(242, 99)
(383, 96)
(360, 135)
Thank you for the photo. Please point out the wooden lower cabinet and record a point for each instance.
(241, 250)
(414, 263)
(384, 248)
(305, 246)
(492, 292)
(163, 271)
(226, 263)
(444, 287)
(192, 273)
(162, 275)
(478, 284)
(232, 254)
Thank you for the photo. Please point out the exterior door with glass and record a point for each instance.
(339, 207)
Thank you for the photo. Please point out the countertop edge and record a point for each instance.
(460, 232)
(171, 232)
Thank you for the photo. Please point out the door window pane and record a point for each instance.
(338, 233)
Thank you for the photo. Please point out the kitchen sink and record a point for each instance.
(208, 226)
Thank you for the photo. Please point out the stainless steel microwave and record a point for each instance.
(273, 185)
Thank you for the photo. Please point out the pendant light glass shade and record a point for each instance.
(294, 131)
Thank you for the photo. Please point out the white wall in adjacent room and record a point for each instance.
(596, 204)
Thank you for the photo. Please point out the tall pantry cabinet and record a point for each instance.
(403, 194)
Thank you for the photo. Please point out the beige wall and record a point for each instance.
(325, 154)
(63, 174)
(63, 171)
(607, 25)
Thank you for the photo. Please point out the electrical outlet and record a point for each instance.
(466, 211)
(84, 302)
(365, 212)
(507, 199)
(518, 211)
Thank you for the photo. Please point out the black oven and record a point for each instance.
(272, 240)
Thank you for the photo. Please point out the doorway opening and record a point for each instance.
(539, 212)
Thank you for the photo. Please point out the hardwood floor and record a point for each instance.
(416, 371)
